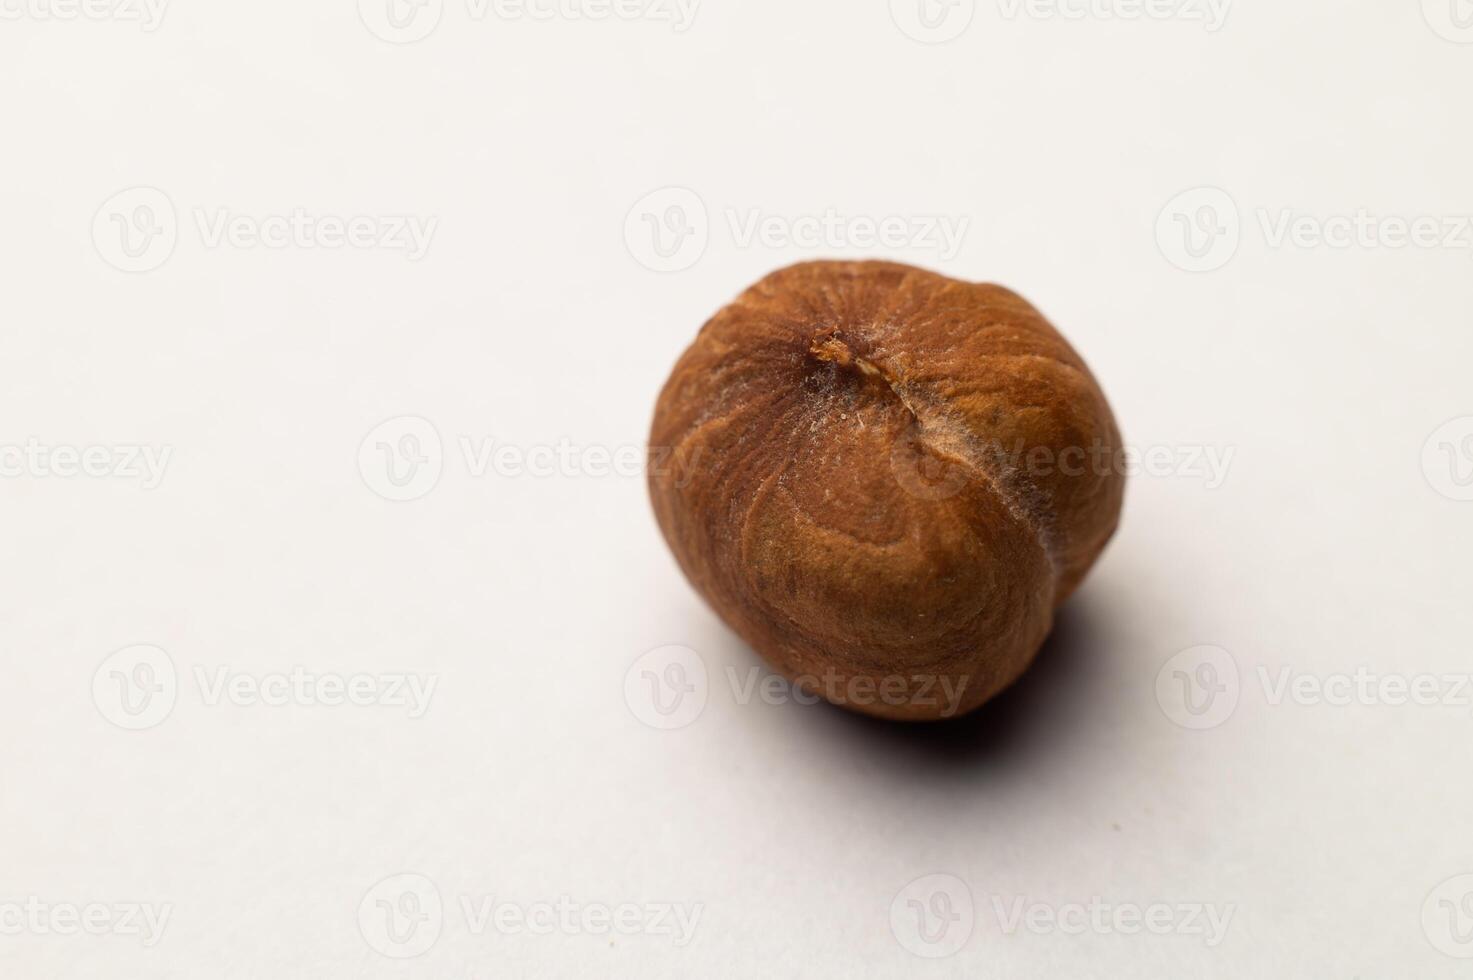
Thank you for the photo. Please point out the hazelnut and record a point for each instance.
(889, 480)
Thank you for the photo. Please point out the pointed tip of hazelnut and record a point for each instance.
(827, 346)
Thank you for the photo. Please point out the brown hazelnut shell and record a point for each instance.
(885, 481)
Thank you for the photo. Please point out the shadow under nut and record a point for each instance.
(862, 476)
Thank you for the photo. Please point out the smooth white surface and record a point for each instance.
(531, 321)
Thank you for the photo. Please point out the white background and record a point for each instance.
(534, 320)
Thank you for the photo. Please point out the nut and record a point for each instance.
(896, 480)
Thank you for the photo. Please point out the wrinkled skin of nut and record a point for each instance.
(885, 481)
